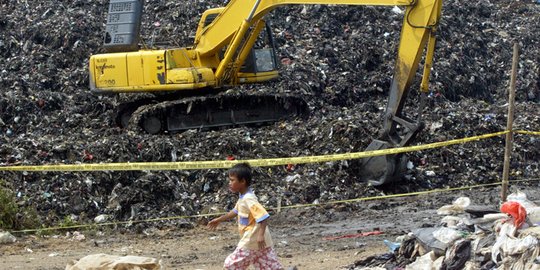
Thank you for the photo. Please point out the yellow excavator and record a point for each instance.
(233, 45)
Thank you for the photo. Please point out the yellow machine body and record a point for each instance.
(159, 70)
(148, 71)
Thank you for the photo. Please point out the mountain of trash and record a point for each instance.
(338, 58)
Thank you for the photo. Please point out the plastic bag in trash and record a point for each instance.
(516, 253)
(457, 207)
(428, 241)
(533, 210)
(392, 246)
(427, 262)
(447, 235)
(458, 255)
(111, 262)
(506, 231)
(516, 210)
(519, 246)
(7, 238)
(522, 199)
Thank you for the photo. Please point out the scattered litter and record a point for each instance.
(392, 246)
(457, 207)
(77, 236)
(111, 262)
(7, 238)
(356, 235)
(428, 241)
(426, 262)
(447, 235)
(397, 10)
(101, 218)
(410, 165)
(488, 242)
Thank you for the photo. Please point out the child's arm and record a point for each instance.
(260, 237)
(215, 222)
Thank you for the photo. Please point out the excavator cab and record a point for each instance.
(261, 63)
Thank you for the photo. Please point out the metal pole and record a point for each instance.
(509, 124)
(252, 13)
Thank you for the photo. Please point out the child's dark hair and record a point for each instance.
(242, 171)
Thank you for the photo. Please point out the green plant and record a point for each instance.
(8, 208)
(13, 216)
(42, 231)
(67, 222)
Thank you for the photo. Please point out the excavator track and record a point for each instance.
(219, 111)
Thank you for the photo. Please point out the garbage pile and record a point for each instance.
(470, 237)
(340, 59)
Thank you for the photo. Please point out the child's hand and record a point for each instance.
(213, 224)
(261, 242)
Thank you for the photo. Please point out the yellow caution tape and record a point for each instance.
(393, 195)
(197, 165)
(261, 163)
(81, 226)
(274, 208)
(526, 132)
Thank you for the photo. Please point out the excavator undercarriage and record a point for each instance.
(156, 116)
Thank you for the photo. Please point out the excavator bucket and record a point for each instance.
(382, 170)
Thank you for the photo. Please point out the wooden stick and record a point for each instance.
(279, 204)
(509, 124)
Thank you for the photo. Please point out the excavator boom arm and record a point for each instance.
(232, 27)
(222, 30)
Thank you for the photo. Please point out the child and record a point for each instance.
(255, 246)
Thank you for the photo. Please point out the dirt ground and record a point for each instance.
(299, 236)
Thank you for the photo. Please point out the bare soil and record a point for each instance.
(299, 236)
